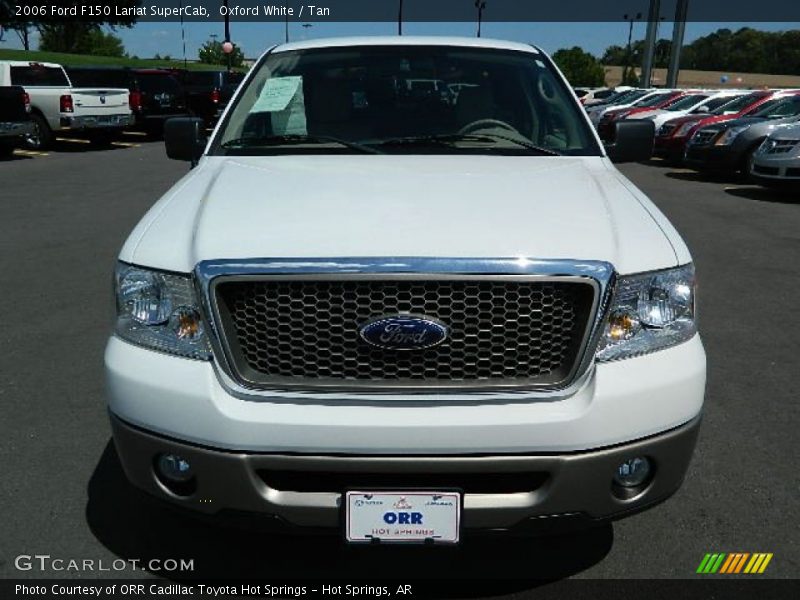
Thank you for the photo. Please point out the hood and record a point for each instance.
(765, 125)
(737, 123)
(402, 206)
(786, 131)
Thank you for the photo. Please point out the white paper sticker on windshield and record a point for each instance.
(276, 94)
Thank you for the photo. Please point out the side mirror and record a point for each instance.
(701, 110)
(633, 141)
(184, 138)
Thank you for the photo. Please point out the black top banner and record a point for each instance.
(744, 11)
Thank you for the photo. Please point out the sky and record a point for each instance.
(164, 38)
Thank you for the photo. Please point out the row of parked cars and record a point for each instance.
(39, 100)
(753, 132)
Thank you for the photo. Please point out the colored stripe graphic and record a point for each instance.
(734, 562)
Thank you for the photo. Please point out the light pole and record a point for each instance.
(628, 47)
(227, 32)
(400, 18)
(480, 5)
(650, 42)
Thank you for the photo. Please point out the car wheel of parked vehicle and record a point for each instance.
(42, 137)
(747, 162)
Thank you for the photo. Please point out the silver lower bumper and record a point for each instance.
(559, 484)
(16, 128)
(97, 121)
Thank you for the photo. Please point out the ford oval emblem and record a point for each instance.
(403, 332)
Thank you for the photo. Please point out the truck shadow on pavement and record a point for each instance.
(133, 528)
(760, 194)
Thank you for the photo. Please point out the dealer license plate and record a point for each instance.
(402, 516)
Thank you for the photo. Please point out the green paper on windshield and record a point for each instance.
(276, 94)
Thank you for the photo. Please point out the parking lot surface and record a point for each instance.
(63, 218)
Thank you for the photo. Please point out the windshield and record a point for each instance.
(406, 99)
(83, 77)
(653, 100)
(785, 107)
(686, 102)
(736, 105)
(715, 103)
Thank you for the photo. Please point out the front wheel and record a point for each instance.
(42, 136)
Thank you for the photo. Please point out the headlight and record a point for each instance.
(683, 129)
(159, 311)
(729, 135)
(651, 311)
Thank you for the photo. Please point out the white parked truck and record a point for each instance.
(396, 313)
(56, 106)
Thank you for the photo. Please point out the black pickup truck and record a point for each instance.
(15, 121)
(208, 92)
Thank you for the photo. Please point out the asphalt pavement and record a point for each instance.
(63, 218)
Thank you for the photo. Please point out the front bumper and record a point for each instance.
(16, 128)
(97, 121)
(714, 158)
(776, 169)
(305, 491)
(670, 148)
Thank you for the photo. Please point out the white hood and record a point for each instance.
(403, 206)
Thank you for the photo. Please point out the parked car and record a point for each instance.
(364, 309)
(776, 163)
(622, 99)
(208, 92)
(634, 99)
(605, 126)
(730, 146)
(15, 121)
(58, 106)
(599, 95)
(671, 137)
(155, 95)
(699, 104)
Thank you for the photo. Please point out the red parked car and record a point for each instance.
(605, 128)
(671, 138)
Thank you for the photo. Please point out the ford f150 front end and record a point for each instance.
(404, 292)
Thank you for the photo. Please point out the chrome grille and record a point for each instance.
(304, 332)
(703, 137)
(781, 146)
(666, 129)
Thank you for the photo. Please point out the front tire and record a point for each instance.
(42, 137)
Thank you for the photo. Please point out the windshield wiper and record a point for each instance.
(453, 138)
(291, 139)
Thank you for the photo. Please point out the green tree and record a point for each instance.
(211, 53)
(580, 67)
(92, 41)
(67, 34)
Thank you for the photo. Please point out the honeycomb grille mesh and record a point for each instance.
(308, 331)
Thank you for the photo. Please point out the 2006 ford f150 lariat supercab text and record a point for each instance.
(405, 293)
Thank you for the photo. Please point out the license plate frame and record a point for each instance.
(429, 530)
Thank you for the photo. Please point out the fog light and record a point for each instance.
(633, 472)
(175, 468)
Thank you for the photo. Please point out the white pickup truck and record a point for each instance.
(56, 106)
(397, 312)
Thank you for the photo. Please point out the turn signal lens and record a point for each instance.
(622, 326)
(186, 324)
